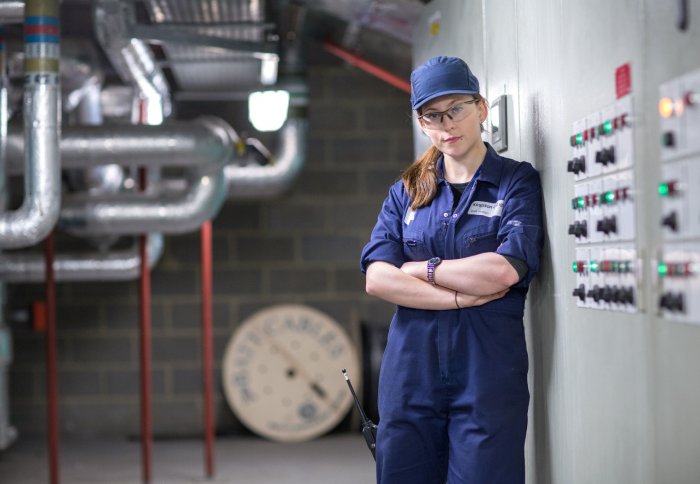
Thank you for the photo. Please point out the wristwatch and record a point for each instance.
(432, 264)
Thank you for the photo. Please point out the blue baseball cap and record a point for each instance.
(439, 76)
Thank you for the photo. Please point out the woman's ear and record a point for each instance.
(483, 112)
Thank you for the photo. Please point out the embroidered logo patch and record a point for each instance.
(487, 209)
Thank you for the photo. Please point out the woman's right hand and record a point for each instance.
(467, 300)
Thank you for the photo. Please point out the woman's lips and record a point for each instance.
(452, 140)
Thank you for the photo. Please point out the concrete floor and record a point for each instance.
(336, 459)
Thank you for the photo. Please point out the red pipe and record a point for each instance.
(367, 66)
(207, 358)
(51, 362)
(145, 350)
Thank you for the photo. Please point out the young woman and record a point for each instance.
(456, 244)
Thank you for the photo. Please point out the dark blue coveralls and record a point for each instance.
(453, 393)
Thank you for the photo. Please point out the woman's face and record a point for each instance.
(453, 123)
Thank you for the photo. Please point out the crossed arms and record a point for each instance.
(470, 281)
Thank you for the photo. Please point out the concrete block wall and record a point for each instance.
(300, 248)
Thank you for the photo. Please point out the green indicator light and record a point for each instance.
(607, 126)
(581, 202)
(615, 266)
(662, 269)
(593, 266)
(609, 197)
(663, 189)
(574, 266)
(579, 139)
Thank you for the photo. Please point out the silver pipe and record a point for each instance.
(39, 211)
(136, 213)
(99, 179)
(4, 118)
(254, 182)
(130, 57)
(123, 265)
(11, 12)
(200, 142)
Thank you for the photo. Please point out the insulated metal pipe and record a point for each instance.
(39, 211)
(204, 141)
(207, 351)
(255, 182)
(138, 213)
(115, 265)
(4, 117)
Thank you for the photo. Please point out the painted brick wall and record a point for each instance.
(300, 248)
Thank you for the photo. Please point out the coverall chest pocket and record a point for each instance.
(481, 239)
(414, 246)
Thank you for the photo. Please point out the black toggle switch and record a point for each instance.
(670, 221)
(580, 292)
(579, 229)
(576, 165)
(626, 295)
(610, 154)
(672, 302)
(607, 225)
(596, 293)
(668, 139)
(605, 156)
(607, 293)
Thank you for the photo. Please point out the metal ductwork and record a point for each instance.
(11, 12)
(130, 57)
(117, 265)
(39, 212)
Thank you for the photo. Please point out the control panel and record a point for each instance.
(678, 263)
(603, 211)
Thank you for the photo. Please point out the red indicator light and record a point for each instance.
(585, 135)
(595, 199)
(691, 98)
(615, 123)
(668, 189)
(606, 266)
(623, 120)
(592, 131)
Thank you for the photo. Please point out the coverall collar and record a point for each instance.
(489, 171)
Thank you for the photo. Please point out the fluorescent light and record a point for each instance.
(267, 110)
(268, 69)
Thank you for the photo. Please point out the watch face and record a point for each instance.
(282, 373)
(435, 261)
